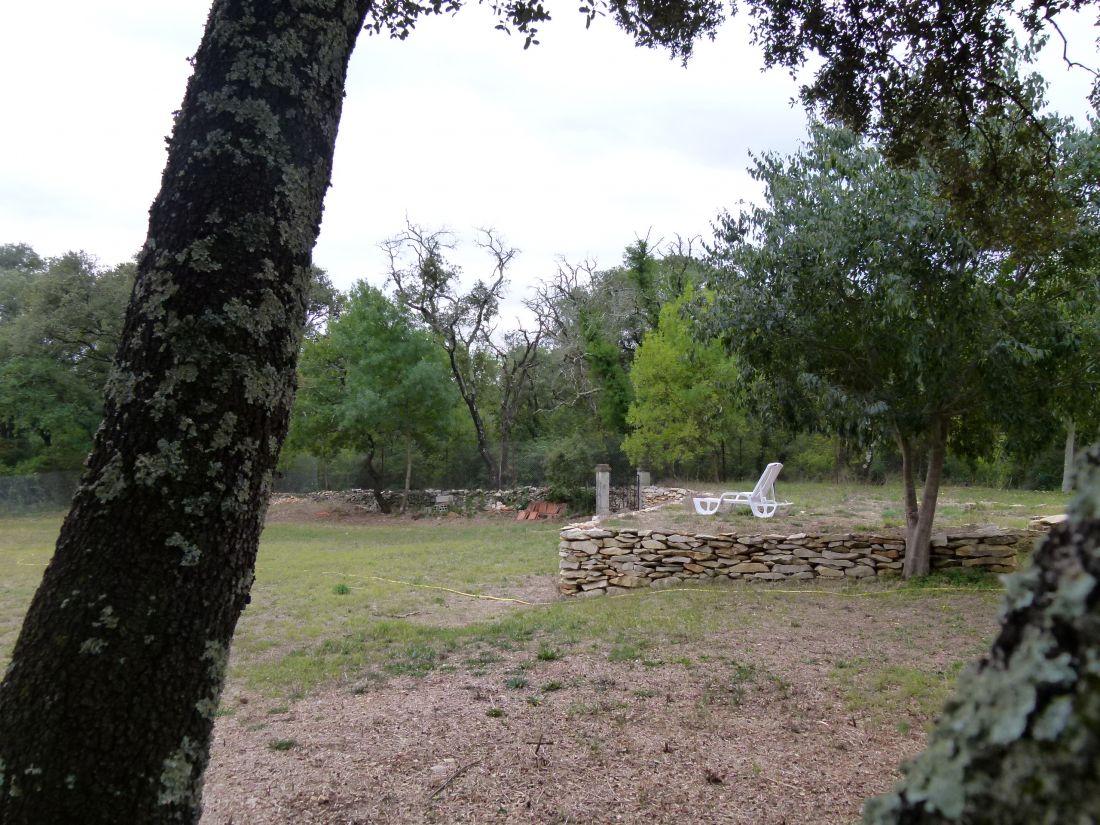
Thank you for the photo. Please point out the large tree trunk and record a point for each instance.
(107, 707)
(1020, 742)
(1068, 456)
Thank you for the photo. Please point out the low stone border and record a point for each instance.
(488, 500)
(596, 560)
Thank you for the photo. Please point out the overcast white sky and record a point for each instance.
(572, 148)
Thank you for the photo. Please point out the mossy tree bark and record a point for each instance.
(107, 707)
(1020, 742)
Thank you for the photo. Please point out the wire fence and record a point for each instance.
(37, 493)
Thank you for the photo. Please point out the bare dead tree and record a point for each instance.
(557, 305)
(464, 323)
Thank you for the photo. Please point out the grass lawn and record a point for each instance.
(412, 649)
(344, 600)
(866, 507)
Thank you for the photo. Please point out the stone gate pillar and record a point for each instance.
(603, 489)
(643, 482)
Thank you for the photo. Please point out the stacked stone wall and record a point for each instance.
(596, 560)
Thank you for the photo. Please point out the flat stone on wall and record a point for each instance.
(596, 560)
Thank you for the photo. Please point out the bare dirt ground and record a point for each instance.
(748, 727)
(426, 752)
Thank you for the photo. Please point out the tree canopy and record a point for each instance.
(60, 322)
(854, 285)
(686, 394)
(373, 382)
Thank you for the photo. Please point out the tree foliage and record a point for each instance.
(596, 320)
(60, 322)
(686, 402)
(464, 324)
(373, 382)
(853, 285)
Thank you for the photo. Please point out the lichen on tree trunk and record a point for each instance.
(107, 707)
(1020, 742)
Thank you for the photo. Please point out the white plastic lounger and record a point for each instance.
(761, 500)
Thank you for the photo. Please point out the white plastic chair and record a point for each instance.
(761, 500)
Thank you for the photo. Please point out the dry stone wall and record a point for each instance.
(596, 560)
(442, 500)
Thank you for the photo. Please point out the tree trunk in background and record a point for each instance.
(909, 485)
(1067, 460)
(1020, 742)
(107, 707)
(408, 473)
(376, 478)
(918, 519)
(469, 395)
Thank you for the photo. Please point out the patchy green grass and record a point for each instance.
(26, 544)
(396, 616)
(883, 692)
(625, 653)
(965, 578)
(867, 507)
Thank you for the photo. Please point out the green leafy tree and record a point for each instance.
(1075, 382)
(607, 373)
(916, 76)
(596, 319)
(852, 283)
(325, 303)
(315, 425)
(374, 382)
(1069, 278)
(685, 395)
(60, 322)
